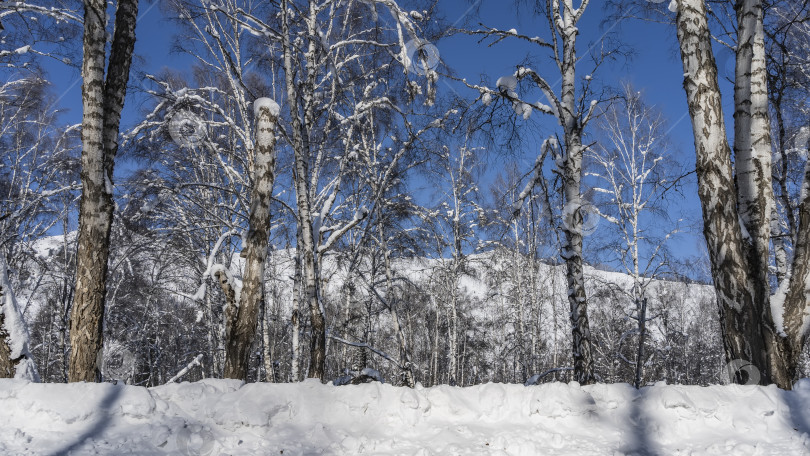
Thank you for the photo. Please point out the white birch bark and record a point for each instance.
(244, 327)
(566, 20)
(736, 297)
(102, 101)
(752, 149)
(797, 302)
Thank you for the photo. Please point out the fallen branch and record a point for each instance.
(365, 345)
(194, 362)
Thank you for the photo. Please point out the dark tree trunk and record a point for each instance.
(102, 102)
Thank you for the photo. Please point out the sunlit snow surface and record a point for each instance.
(219, 417)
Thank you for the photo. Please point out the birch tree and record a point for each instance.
(572, 110)
(523, 242)
(788, 63)
(37, 168)
(763, 330)
(632, 175)
(322, 45)
(102, 101)
(201, 138)
(456, 216)
(238, 344)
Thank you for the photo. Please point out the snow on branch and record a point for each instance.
(359, 216)
(211, 268)
(194, 362)
(58, 14)
(548, 144)
(541, 83)
(376, 351)
(500, 35)
(15, 330)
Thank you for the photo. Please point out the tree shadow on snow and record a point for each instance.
(102, 420)
(636, 433)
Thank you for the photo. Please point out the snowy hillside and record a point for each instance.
(218, 417)
(513, 310)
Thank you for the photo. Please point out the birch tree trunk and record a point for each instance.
(306, 247)
(102, 102)
(572, 178)
(574, 272)
(797, 306)
(268, 348)
(404, 352)
(237, 351)
(752, 153)
(736, 295)
(563, 19)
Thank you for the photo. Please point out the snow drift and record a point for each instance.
(223, 417)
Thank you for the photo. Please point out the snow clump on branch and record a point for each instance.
(268, 103)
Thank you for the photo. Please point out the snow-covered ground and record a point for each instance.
(221, 417)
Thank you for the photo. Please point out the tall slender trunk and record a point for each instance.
(452, 330)
(434, 352)
(755, 196)
(572, 254)
(307, 240)
(296, 317)
(572, 178)
(102, 101)
(736, 297)
(404, 353)
(642, 332)
(264, 329)
(295, 373)
(797, 305)
(268, 340)
(237, 350)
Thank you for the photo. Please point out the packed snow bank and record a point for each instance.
(220, 417)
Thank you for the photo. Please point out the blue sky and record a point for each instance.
(655, 69)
